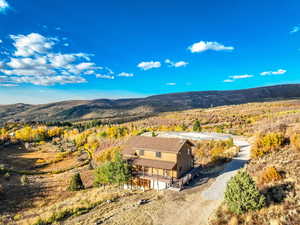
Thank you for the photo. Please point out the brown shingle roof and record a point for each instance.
(156, 144)
(154, 163)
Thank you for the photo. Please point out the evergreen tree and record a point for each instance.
(197, 126)
(117, 171)
(121, 170)
(242, 195)
(76, 183)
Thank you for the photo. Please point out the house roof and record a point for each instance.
(154, 163)
(156, 144)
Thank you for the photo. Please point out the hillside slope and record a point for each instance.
(141, 107)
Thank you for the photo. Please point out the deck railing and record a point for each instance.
(147, 174)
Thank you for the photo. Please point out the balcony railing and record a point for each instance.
(151, 175)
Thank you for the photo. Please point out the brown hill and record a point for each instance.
(141, 107)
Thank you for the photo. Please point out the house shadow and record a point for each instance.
(234, 164)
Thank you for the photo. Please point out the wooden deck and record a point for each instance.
(174, 183)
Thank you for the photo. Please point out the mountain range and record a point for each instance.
(134, 108)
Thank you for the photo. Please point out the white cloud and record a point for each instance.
(149, 65)
(29, 72)
(180, 64)
(61, 60)
(104, 76)
(85, 66)
(3, 6)
(228, 81)
(295, 29)
(1, 41)
(9, 85)
(35, 62)
(31, 44)
(241, 76)
(266, 73)
(28, 63)
(66, 44)
(124, 74)
(208, 45)
(48, 80)
(89, 72)
(175, 64)
(280, 71)
(277, 72)
(171, 84)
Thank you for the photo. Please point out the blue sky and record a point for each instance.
(56, 50)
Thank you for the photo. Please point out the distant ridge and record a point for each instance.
(127, 109)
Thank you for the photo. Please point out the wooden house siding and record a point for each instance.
(165, 156)
(184, 160)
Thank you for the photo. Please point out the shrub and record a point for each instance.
(197, 126)
(295, 141)
(242, 195)
(267, 143)
(269, 174)
(76, 183)
(217, 153)
(117, 171)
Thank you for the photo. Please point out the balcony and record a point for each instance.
(151, 176)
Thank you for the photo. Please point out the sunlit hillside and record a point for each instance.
(38, 161)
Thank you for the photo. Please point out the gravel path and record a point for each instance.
(216, 190)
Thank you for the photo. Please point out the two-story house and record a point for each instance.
(158, 162)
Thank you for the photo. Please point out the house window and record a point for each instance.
(141, 152)
(158, 154)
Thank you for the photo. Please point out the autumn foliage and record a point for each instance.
(266, 143)
(268, 175)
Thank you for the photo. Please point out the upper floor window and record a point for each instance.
(141, 152)
(158, 154)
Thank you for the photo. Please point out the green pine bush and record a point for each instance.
(242, 195)
(76, 183)
(197, 126)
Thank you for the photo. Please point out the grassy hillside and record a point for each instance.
(130, 109)
(37, 164)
